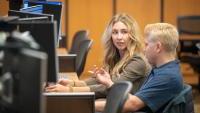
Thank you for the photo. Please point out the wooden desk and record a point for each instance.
(189, 37)
(61, 51)
(70, 75)
(75, 102)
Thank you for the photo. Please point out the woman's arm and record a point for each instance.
(81, 89)
(74, 83)
(61, 88)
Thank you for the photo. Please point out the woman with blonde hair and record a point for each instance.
(123, 60)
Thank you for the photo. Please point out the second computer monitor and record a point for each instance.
(27, 15)
(44, 34)
(53, 8)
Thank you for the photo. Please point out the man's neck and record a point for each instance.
(163, 59)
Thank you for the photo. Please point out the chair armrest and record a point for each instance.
(67, 62)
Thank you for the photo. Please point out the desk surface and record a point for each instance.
(189, 37)
(62, 51)
(69, 94)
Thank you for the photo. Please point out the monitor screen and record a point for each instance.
(54, 8)
(33, 9)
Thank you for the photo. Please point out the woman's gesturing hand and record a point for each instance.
(103, 77)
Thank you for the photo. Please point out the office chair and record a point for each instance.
(82, 56)
(75, 62)
(117, 96)
(182, 103)
(77, 39)
(190, 25)
(70, 58)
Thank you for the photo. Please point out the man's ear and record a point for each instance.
(158, 46)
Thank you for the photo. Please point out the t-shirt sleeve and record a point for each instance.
(158, 91)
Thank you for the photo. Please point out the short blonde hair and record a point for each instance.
(166, 33)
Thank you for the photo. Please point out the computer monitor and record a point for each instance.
(15, 4)
(33, 9)
(22, 14)
(24, 71)
(34, 19)
(44, 34)
(50, 7)
(82, 102)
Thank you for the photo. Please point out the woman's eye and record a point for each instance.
(114, 32)
(124, 31)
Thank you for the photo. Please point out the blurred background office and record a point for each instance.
(93, 15)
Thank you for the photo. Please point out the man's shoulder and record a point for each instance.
(170, 71)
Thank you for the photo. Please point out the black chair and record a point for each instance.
(82, 55)
(182, 103)
(117, 96)
(190, 25)
(77, 39)
(75, 62)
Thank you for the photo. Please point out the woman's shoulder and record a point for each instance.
(139, 59)
(138, 63)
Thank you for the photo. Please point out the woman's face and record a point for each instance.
(120, 36)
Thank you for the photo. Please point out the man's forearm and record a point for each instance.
(133, 104)
(99, 105)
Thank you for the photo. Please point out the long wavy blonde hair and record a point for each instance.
(112, 61)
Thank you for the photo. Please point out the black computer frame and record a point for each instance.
(54, 9)
(48, 42)
(22, 14)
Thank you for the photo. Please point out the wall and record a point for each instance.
(3, 7)
(92, 15)
(174, 8)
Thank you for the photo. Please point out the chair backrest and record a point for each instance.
(77, 39)
(182, 103)
(117, 97)
(189, 25)
(82, 55)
